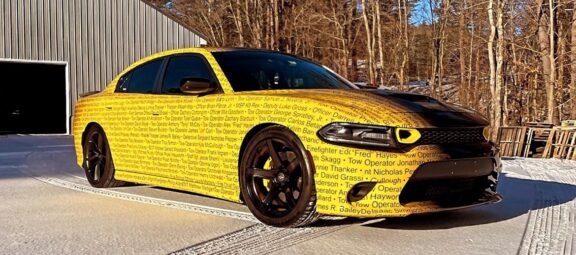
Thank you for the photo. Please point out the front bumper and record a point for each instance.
(425, 179)
(452, 184)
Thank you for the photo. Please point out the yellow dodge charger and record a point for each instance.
(291, 139)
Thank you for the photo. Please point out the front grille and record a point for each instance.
(445, 192)
(451, 136)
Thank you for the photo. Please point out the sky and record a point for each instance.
(421, 12)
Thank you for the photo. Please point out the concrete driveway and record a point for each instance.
(48, 207)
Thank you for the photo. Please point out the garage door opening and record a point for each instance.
(33, 98)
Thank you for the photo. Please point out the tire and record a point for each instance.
(98, 164)
(276, 179)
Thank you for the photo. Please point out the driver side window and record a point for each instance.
(185, 66)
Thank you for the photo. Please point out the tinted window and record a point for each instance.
(141, 79)
(257, 70)
(123, 83)
(180, 67)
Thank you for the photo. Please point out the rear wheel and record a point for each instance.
(98, 164)
(276, 179)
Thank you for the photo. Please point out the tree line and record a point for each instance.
(512, 60)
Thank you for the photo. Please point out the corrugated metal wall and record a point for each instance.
(98, 38)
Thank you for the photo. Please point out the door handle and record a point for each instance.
(108, 107)
(155, 114)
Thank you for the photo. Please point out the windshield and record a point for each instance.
(260, 70)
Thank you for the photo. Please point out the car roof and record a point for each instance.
(218, 49)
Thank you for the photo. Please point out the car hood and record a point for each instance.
(384, 102)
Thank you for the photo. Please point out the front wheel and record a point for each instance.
(276, 179)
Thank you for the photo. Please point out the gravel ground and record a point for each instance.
(47, 207)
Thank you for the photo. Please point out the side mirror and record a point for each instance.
(196, 86)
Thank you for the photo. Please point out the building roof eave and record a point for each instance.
(175, 19)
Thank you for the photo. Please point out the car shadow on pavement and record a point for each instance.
(520, 196)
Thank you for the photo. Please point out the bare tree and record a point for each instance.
(497, 90)
(403, 31)
(462, 28)
(492, 62)
(514, 60)
(573, 63)
(369, 38)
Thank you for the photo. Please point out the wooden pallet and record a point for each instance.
(572, 149)
(540, 125)
(512, 141)
(561, 144)
(536, 140)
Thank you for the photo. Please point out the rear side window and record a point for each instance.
(141, 79)
(186, 66)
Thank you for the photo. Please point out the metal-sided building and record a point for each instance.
(52, 51)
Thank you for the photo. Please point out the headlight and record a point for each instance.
(360, 135)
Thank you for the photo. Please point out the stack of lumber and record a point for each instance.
(569, 123)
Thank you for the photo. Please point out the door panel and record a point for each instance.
(132, 130)
(197, 150)
(132, 137)
(186, 127)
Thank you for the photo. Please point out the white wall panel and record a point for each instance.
(97, 38)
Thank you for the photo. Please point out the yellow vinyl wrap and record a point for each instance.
(193, 143)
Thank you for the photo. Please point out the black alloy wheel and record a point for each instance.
(276, 179)
(98, 164)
